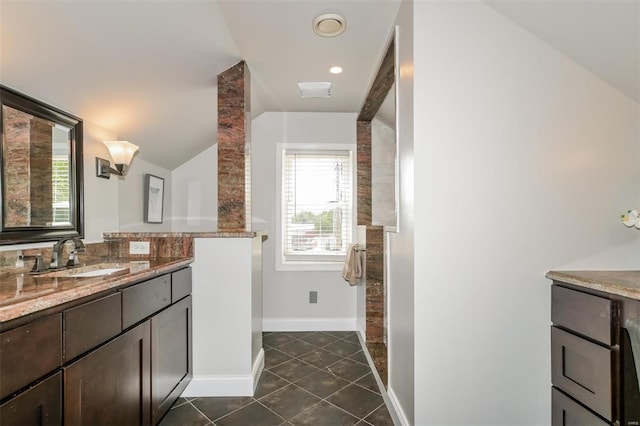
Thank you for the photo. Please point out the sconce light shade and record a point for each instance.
(122, 153)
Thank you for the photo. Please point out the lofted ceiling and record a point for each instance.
(602, 36)
(146, 69)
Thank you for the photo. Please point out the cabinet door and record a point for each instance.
(111, 386)
(171, 356)
(38, 406)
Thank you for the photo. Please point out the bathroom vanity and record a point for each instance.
(593, 372)
(97, 350)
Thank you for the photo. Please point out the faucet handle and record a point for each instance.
(38, 265)
(73, 258)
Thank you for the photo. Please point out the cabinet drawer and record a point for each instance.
(39, 406)
(583, 370)
(180, 284)
(142, 300)
(567, 412)
(583, 313)
(29, 352)
(91, 324)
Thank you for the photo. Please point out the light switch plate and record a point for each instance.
(138, 247)
(313, 297)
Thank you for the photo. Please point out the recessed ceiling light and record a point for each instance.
(335, 70)
(329, 25)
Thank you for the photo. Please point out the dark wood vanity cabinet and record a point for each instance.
(592, 368)
(111, 385)
(109, 361)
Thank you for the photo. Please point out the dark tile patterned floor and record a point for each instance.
(310, 378)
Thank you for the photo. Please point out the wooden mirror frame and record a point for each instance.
(21, 235)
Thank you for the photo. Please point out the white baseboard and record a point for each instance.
(390, 399)
(227, 385)
(256, 371)
(399, 417)
(309, 324)
(361, 332)
(241, 385)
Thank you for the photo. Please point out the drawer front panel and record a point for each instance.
(583, 313)
(91, 324)
(567, 412)
(142, 300)
(29, 352)
(180, 284)
(583, 370)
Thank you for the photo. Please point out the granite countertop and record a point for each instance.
(621, 283)
(212, 234)
(22, 293)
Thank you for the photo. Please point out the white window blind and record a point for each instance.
(60, 187)
(317, 205)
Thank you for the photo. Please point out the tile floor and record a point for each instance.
(310, 378)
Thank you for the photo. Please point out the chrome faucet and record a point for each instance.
(56, 254)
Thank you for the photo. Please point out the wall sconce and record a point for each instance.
(121, 153)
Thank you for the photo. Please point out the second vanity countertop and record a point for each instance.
(22, 294)
(621, 283)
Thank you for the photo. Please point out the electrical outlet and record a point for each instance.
(138, 247)
(313, 297)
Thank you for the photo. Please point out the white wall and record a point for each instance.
(131, 197)
(286, 294)
(227, 340)
(400, 285)
(524, 163)
(100, 195)
(195, 193)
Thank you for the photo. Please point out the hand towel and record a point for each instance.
(352, 269)
(633, 327)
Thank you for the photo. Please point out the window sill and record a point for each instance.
(309, 266)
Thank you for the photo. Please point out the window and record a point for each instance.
(60, 188)
(316, 212)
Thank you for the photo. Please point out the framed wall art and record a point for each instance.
(153, 198)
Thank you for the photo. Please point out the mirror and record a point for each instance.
(383, 163)
(379, 111)
(40, 171)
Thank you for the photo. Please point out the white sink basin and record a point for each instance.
(89, 271)
(96, 273)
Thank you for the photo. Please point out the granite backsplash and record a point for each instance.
(109, 250)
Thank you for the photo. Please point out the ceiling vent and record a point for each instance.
(314, 89)
(329, 25)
